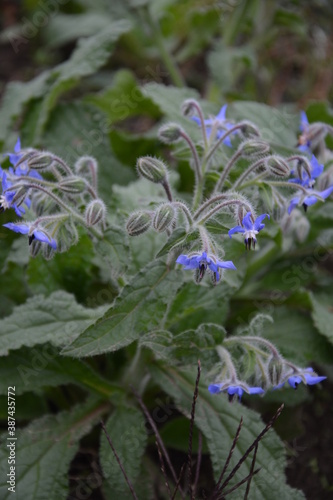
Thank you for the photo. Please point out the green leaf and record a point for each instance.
(44, 451)
(42, 366)
(322, 316)
(187, 347)
(57, 319)
(218, 421)
(126, 428)
(140, 308)
(179, 238)
(114, 250)
(195, 304)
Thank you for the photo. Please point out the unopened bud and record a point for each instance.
(164, 217)
(40, 161)
(86, 166)
(95, 212)
(254, 148)
(152, 169)
(139, 223)
(275, 367)
(67, 236)
(315, 133)
(248, 129)
(169, 133)
(277, 166)
(73, 185)
(189, 107)
(28, 153)
(19, 196)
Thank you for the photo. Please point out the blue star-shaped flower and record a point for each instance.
(309, 199)
(35, 234)
(23, 168)
(201, 262)
(222, 123)
(306, 180)
(234, 390)
(295, 380)
(249, 229)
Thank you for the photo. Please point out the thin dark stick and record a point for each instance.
(225, 493)
(197, 470)
(157, 435)
(253, 445)
(251, 472)
(190, 439)
(178, 481)
(160, 456)
(230, 454)
(119, 462)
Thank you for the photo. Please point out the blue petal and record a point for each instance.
(310, 380)
(17, 228)
(310, 200)
(317, 168)
(221, 114)
(256, 390)
(293, 203)
(235, 390)
(237, 229)
(214, 388)
(325, 194)
(40, 236)
(247, 222)
(257, 224)
(183, 259)
(294, 381)
(227, 264)
(17, 146)
(304, 121)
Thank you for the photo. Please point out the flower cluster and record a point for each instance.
(53, 205)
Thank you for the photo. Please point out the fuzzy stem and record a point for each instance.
(197, 106)
(197, 167)
(221, 139)
(205, 240)
(167, 189)
(209, 202)
(226, 358)
(250, 169)
(186, 211)
(227, 169)
(250, 338)
(218, 208)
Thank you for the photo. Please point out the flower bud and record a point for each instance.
(139, 223)
(152, 169)
(277, 166)
(95, 212)
(40, 161)
(248, 129)
(189, 106)
(164, 217)
(169, 133)
(86, 166)
(73, 185)
(67, 236)
(254, 148)
(275, 367)
(19, 196)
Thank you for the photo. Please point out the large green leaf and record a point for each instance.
(126, 428)
(44, 451)
(31, 369)
(57, 319)
(140, 308)
(187, 347)
(322, 316)
(218, 421)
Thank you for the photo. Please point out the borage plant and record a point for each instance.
(173, 320)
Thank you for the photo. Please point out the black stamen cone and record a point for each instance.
(31, 238)
(305, 207)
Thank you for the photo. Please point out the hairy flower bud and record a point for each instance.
(152, 169)
(86, 166)
(248, 129)
(164, 217)
(73, 185)
(95, 212)
(138, 223)
(189, 107)
(40, 161)
(67, 236)
(254, 148)
(275, 367)
(277, 166)
(169, 133)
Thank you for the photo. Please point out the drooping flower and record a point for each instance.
(23, 168)
(308, 199)
(219, 122)
(33, 234)
(304, 142)
(295, 379)
(250, 229)
(307, 180)
(200, 262)
(234, 390)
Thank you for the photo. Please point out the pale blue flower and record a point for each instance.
(35, 234)
(234, 390)
(310, 377)
(202, 261)
(222, 125)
